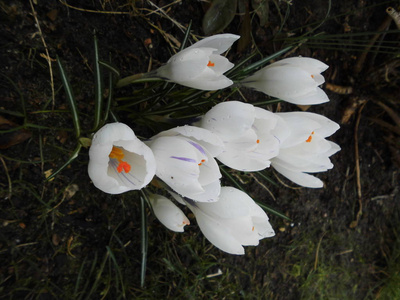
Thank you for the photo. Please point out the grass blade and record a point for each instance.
(72, 157)
(110, 67)
(98, 95)
(144, 240)
(185, 39)
(70, 98)
(110, 94)
(265, 60)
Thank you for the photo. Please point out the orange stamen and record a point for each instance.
(210, 64)
(118, 154)
(312, 76)
(310, 138)
(123, 165)
(252, 229)
(258, 141)
(203, 160)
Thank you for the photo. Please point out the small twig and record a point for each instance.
(262, 185)
(47, 57)
(286, 185)
(358, 172)
(317, 251)
(395, 117)
(180, 26)
(395, 15)
(94, 11)
(162, 8)
(361, 59)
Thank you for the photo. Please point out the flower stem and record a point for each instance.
(138, 78)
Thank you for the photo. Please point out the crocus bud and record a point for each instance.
(201, 66)
(294, 80)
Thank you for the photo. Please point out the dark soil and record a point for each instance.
(339, 240)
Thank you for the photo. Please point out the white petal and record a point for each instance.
(177, 197)
(220, 64)
(231, 204)
(245, 161)
(200, 136)
(312, 65)
(210, 83)
(300, 128)
(282, 82)
(326, 126)
(218, 234)
(220, 42)
(177, 164)
(185, 65)
(243, 230)
(168, 213)
(300, 178)
(210, 193)
(229, 119)
(316, 96)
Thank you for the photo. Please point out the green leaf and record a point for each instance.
(219, 16)
(70, 98)
(98, 84)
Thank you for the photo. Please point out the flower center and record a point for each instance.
(118, 154)
(203, 160)
(210, 64)
(310, 137)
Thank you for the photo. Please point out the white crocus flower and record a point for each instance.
(294, 80)
(247, 133)
(168, 213)
(304, 148)
(119, 161)
(201, 66)
(185, 161)
(232, 222)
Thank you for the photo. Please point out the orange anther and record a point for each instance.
(203, 160)
(310, 137)
(116, 153)
(258, 141)
(252, 229)
(210, 64)
(312, 76)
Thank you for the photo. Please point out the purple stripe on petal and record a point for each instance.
(198, 147)
(184, 159)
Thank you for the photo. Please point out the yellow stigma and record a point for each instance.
(118, 154)
(210, 64)
(310, 137)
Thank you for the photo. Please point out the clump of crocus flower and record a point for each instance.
(239, 135)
